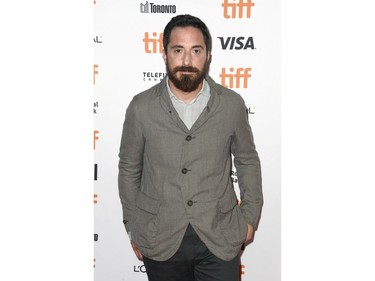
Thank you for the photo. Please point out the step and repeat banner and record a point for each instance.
(128, 59)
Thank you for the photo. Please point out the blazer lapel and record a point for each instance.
(166, 104)
(210, 109)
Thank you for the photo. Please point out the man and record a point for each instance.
(179, 206)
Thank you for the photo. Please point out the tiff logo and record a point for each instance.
(95, 198)
(242, 74)
(96, 137)
(153, 45)
(236, 10)
(242, 269)
(96, 72)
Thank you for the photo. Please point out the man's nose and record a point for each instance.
(187, 59)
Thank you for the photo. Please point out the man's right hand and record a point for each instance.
(137, 251)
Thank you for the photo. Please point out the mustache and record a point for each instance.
(185, 69)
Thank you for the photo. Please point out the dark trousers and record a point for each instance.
(192, 262)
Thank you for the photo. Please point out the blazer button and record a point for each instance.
(189, 138)
(190, 203)
(184, 170)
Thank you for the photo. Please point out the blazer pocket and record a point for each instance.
(145, 224)
(231, 222)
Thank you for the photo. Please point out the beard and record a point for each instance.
(187, 82)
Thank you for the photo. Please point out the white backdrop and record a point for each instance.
(246, 42)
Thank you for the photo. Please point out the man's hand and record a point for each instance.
(250, 233)
(137, 251)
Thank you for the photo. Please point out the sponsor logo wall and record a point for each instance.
(127, 39)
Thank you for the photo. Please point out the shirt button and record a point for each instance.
(190, 203)
(189, 138)
(184, 170)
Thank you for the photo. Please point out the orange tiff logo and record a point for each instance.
(96, 72)
(241, 272)
(153, 44)
(96, 137)
(236, 10)
(241, 74)
(242, 269)
(95, 198)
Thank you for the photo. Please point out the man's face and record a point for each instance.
(186, 58)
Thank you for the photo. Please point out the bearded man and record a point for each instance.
(180, 209)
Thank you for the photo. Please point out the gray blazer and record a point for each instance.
(170, 176)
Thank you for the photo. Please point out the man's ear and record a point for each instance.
(164, 55)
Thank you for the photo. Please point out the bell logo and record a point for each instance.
(241, 74)
(153, 45)
(96, 137)
(236, 10)
(95, 71)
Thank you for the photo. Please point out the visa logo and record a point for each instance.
(237, 43)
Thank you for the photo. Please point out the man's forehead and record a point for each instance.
(186, 33)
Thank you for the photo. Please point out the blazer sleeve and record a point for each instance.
(247, 163)
(130, 164)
